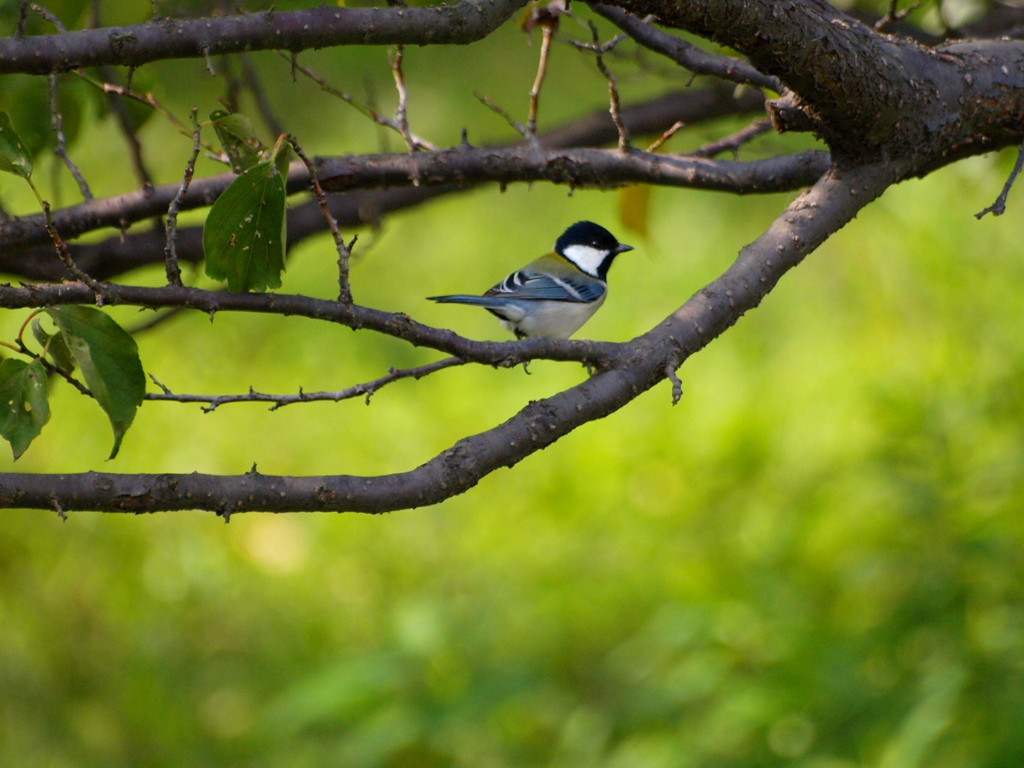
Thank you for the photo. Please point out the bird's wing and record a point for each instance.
(530, 285)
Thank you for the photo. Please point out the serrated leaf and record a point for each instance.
(241, 144)
(109, 360)
(14, 158)
(24, 405)
(54, 347)
(244, 235)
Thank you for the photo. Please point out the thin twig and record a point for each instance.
(126, 123)
(171, 247)
(687, 54)
(65, 256)
(892, 15)
(352, 102)
(596, 46)
(401, 118)
(547, 32)
(19, 30)
(344, 249)
(279, 401)
(613, 91)
(733, 142)
(57, 124)
(998, 208)
(519, 127)
(49, 16)
(208, 60)
(677, 385)
(658, 142)
(150, 101)
(62, 249)
(53, 370)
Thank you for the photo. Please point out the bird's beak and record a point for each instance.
(622, 248)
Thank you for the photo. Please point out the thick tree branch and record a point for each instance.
(632, 369)
(575, 167)
(458, 166)
(869, 95)
(122, 253)
(459, 23)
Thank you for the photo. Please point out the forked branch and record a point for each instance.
(630, 369)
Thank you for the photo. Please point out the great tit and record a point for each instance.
(556, 294)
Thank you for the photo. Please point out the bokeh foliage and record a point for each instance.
(815, 559)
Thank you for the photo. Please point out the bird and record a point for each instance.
(556, 294)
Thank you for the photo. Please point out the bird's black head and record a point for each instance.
(590, 247)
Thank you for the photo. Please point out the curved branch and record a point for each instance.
(686, 54)
(399, 325)
(869, 95)
(575, 167)
(460, 23)
(634, 367)
(122, 253)
(459, 166)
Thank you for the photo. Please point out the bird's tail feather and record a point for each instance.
(477, 301)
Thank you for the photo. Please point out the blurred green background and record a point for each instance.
(815, 559)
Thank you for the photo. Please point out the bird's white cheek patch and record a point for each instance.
(586, 258)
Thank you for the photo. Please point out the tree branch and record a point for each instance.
(632, 369)
(869, 95)
(122, 253)
(459, 166)
(686, 54)
(398, 325)
(368, 389)
(459, 23)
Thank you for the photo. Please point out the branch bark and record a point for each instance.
(632, 368)
(122, 253)
(399, 325)
(870, 96)
(888, 108)
(459, 23)
(460, 166)
(685, 54)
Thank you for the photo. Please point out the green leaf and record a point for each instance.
(241, 144)
(109, 360)
(244, 234)
(32, 106)
(24, 407)
(14, 158)
(54, 347)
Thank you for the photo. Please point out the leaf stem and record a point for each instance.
(21, 331)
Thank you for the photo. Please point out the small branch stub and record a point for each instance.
(170, 248)
(998, 208)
